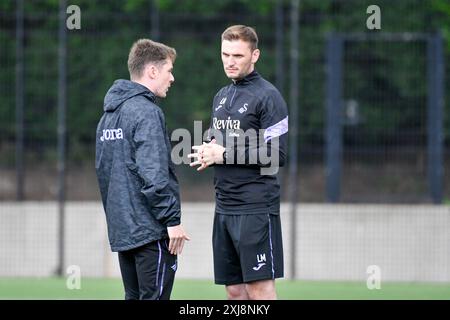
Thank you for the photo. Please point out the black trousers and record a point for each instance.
(148, 272)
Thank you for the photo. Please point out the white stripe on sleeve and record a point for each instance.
(276, 130)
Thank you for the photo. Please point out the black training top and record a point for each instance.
(250, 119)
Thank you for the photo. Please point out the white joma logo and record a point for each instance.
(112, 134)
(259, 266)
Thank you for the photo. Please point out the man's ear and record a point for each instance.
(151, 71)
(255, 55)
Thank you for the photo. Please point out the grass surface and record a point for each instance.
(102, 289)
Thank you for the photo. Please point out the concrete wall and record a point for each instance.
(334, 242)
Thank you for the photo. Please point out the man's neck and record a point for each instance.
(142, 83)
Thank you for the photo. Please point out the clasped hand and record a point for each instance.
(206, 155)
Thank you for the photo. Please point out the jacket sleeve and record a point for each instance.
(152, 160)
(270, 147)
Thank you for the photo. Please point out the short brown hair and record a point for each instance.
(241, 32)
(146, 51)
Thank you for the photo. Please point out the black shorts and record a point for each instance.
(247, 248)
(148, 272)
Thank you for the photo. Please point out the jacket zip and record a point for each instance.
(232, 97)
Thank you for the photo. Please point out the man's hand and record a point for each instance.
(207, 154)
(177, 237)
(212, 153)
(198, 154)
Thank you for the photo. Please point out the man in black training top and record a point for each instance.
(247, 145)
(136, 176)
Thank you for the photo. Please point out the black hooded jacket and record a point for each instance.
(136, 176)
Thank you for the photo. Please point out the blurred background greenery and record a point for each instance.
(388, 80)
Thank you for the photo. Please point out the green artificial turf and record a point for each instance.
(102, 289)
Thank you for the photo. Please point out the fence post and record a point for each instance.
(334, 124)
(154, 20)
(435, 61)
(279, 38)
(20, 101)
(294, 124)
(61, 131)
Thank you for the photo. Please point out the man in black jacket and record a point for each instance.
(248, 144)
(136, 176)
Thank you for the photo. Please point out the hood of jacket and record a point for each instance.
(122, 90)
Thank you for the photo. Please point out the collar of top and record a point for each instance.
(247, 79)
(145, 91)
